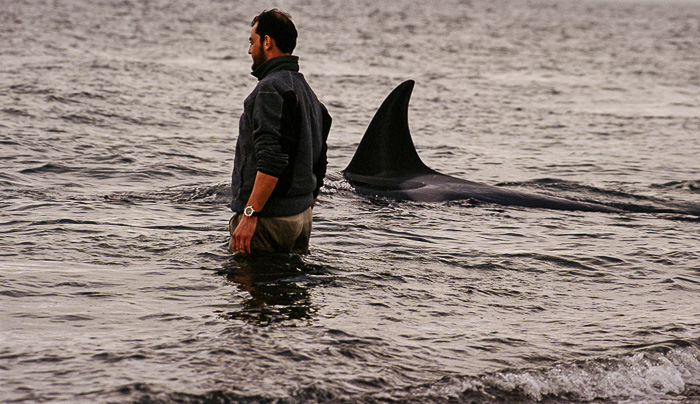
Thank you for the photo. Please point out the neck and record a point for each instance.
(273, 53)
(282, 62)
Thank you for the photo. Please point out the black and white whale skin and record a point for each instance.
(386, 164)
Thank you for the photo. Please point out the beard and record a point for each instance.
(258, 57)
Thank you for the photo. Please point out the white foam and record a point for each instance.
(642, 374)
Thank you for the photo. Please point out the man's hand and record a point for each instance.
(241, 237)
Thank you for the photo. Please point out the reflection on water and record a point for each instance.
(279, 286)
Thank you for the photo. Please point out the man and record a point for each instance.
(280, 157)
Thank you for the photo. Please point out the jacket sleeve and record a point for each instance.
(267, 117)
(322, 162)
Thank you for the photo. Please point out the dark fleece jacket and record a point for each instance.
(282, 133)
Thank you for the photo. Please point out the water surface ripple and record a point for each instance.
(116, 144)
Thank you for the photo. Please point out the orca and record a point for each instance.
(386, 164)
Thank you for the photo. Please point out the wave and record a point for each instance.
(655, 374)
(212, 194)
(692, 186)
(217, 194)
(663, 373)
(48, 168)
(17, 112)
(109, 119)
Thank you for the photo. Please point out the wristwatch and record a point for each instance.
(249, 211)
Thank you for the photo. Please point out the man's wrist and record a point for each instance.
(250, 211)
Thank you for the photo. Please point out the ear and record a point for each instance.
(267, 42)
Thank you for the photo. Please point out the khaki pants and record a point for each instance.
(288, 234)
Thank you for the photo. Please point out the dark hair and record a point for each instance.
(277, 25)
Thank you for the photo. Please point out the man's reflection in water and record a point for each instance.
(278, 285)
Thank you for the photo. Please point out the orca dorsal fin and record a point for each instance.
(386, 149)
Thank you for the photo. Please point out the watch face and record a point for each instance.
(248, 211)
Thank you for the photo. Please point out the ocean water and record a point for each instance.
(119, 121)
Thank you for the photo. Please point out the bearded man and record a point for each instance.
(280, 160)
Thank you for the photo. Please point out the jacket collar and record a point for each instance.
(285, 62)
